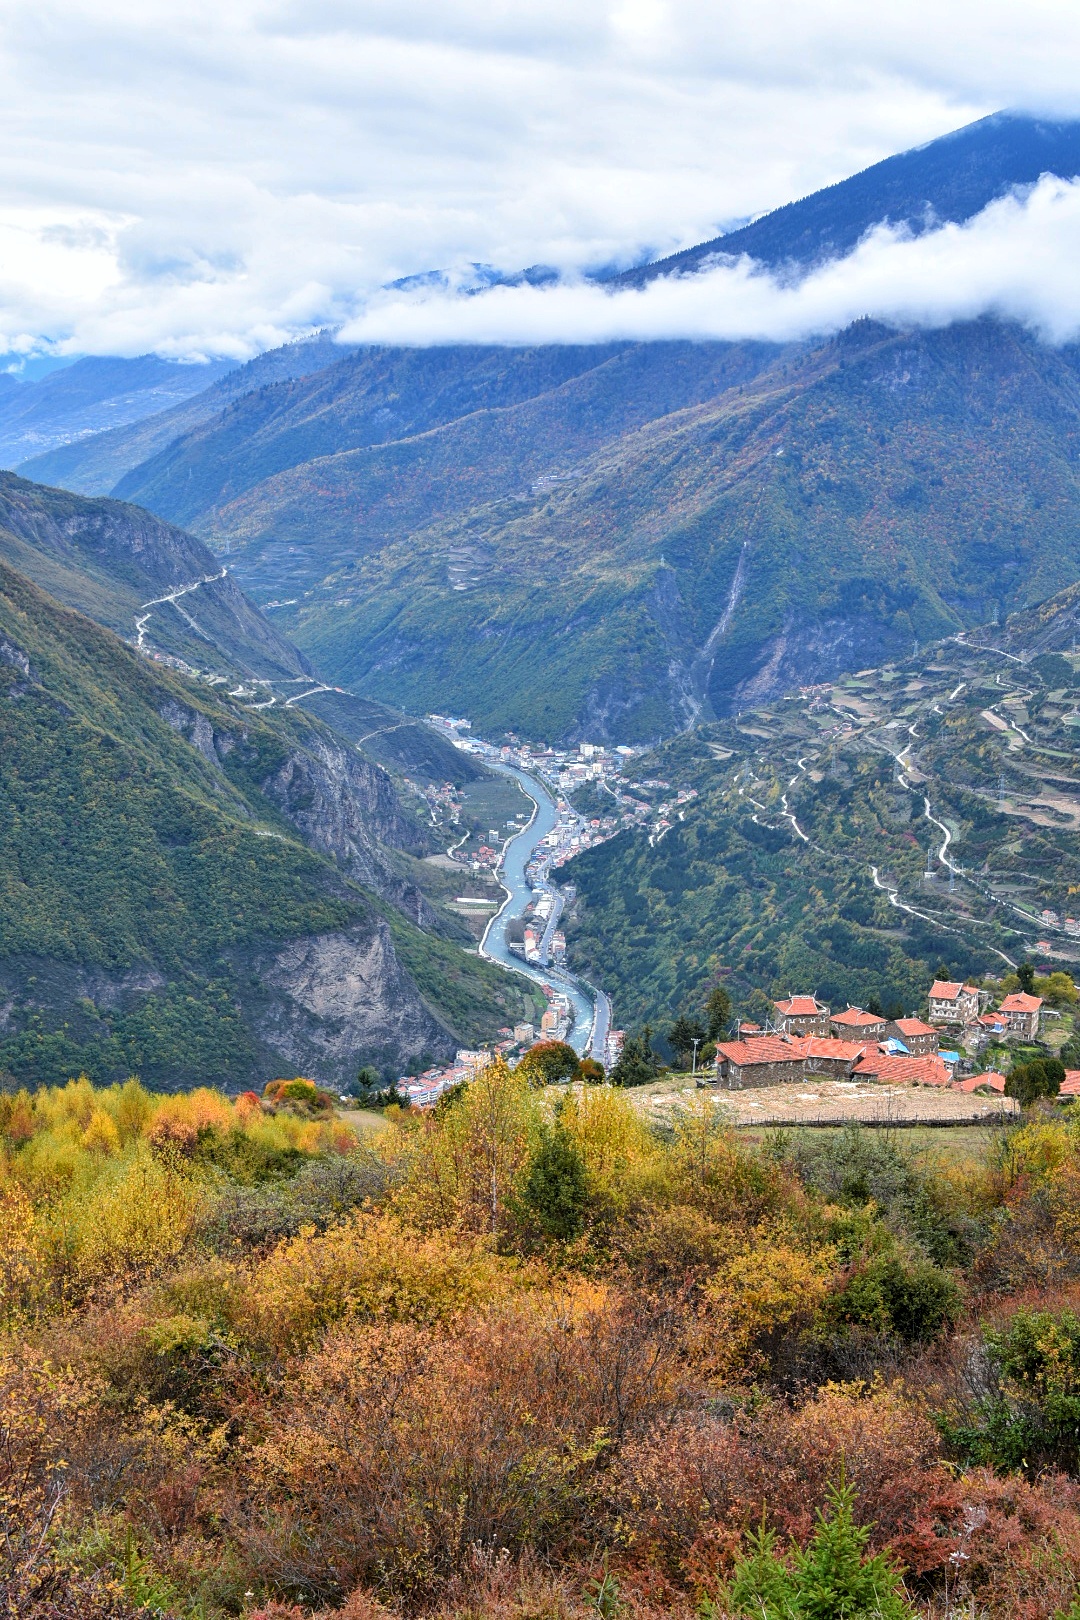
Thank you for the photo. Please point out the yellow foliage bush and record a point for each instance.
(135, 1218)
(618, 1149)
(20, 1255)
(467, 1155)
(101, 1134)
(371, 1268)
(766, 1289)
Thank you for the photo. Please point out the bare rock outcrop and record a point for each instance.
(343, 998)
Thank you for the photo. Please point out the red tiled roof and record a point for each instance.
(945, 990)
(788, 1049)
(855, 1016)
(1019, 1002)
(973, 1082)
(1070, 1086)
(800, 1007)
(914, 1026)
(991, 1020)
(763, 1049)
(824, 1046)
(923, 1071)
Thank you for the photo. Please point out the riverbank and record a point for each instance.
(591, 1011)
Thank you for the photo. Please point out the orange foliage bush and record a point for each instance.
(689, 1489)
(398, 1448)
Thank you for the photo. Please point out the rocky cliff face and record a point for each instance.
(340, 803)
(339, 998)
(347, 808)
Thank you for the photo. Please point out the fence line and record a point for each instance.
(1000, 1116)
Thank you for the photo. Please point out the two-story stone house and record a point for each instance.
(1022, 1013)
(920, 1039)
(802, 1015)
(856, 1025)
(953, 1003)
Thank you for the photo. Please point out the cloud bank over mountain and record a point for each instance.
(1017, 259)
(216, 177)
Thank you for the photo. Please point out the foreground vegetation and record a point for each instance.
(525, 1356)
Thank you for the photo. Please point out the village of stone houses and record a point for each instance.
(962, 1061)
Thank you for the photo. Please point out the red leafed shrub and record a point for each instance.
(688, 1490)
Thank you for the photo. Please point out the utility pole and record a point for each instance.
(697, 1043)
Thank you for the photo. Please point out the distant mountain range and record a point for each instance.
(612, 540)
(91, 396)
(93, 464)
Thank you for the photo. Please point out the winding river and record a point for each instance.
(591, 1012)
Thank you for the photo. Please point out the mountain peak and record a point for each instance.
(951, 178)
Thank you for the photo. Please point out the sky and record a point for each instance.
(214, 178)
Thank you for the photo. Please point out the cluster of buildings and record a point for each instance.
(424, 1090)
(1071, 925)
(568, 770)
(805, 1038)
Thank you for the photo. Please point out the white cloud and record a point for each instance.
(1016, 259)
(216, 176)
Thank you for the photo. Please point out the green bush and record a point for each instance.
(912, 1300)
(555, 1188)
(1027, 1082)
(830, 1579)
(1030, 1420)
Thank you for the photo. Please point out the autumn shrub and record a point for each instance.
(686, 1491)
(466, 1159)
(1027, 1416)
(520, 1360)
(42, 1413)
(322, 1192)
(770, 1288)
(1034, 1238)
(855, 1167)
(370, 1269)
(300, 1094)
(707, 1168)
(400, 1447)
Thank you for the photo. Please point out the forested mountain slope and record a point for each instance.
(118, 563)
(458, 424)
(848, 502)
(187, 886)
